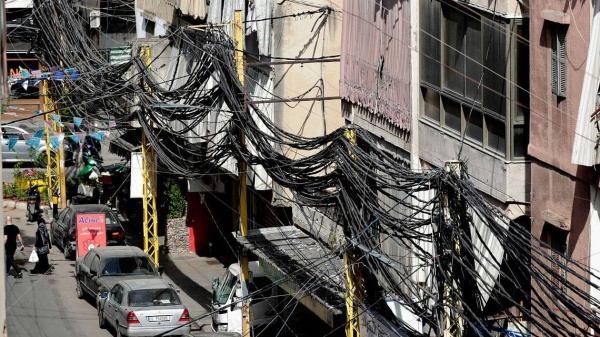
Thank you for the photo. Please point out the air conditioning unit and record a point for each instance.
(95, 19)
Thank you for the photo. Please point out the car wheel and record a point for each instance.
(78, 289)
(101, 321)
(42, 160)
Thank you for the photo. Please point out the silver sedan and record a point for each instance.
(144, 307)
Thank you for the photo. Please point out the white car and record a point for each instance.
(21, 151)
(143, 307)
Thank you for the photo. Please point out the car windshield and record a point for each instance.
(227, 283)
(129, 265)
(153, 298)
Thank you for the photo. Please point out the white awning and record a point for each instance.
(584, 144)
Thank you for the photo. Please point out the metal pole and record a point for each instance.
(452, 323)
(243, 207)
(53, 173)
(149, 188)
(353, 277)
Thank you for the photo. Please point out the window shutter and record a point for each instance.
(559, 61)
(554, 46)
(562, 62)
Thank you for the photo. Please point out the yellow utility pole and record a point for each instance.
(242, 166)
(353, 278)
(55, 159)
(149, 188)
(453, 322)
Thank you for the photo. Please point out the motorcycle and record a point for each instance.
(90, 188)
(102, 184)
(91, 148)
(33, 202)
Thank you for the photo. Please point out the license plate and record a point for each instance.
(159, 318)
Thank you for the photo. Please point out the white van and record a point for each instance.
(226, 303)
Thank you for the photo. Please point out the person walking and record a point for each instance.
(42, 247)
(11, 234)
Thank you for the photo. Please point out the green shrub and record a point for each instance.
(174, 197)
(10, 191)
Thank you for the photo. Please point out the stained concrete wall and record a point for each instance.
(558, 188)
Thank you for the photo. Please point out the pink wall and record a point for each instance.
(556, 184)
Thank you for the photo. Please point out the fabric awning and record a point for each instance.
(301, 266)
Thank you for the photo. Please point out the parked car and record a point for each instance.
(143, 307)
(227, 293)
(64, 229)
(22, 152)
(103, 267)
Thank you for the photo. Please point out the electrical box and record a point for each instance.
(95, 19)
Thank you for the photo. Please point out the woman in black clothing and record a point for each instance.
(42, 246)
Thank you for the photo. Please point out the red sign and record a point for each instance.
(91, 232)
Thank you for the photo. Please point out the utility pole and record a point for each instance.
(242, 166)
(149, 189)
(55, 159)
(451, 283)
(353, 276)
(55, 176)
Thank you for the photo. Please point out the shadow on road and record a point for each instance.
(185, 284)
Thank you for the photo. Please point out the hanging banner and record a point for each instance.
(33, 142)
(27, 135)
(54, 142)
(97, 135)
(91, 232)
(77, 121)
(70, 126)
(80, 135)
(12, 141)
(39, 133)
(56, 118)
(49, 123)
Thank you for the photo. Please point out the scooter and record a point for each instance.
(33, 202)
(91, 148)
(90, 188)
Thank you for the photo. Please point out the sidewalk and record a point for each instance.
(193, 275)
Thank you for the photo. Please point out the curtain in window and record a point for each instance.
(584, 145)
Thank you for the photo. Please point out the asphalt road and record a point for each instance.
(47, 305)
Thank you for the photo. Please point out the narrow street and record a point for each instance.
(46, 305)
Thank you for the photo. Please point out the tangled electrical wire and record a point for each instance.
(460, 263)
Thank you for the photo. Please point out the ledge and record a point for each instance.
(556, 220)
(556, 16)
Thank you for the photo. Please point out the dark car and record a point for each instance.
(64, 228)
(103, 267)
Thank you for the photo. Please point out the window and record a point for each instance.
(116, 295)
(556, 238)
(559, 57)
(95, 265)
(472, 80)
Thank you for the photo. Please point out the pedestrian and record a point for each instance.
(11, 234)
(42, 247)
